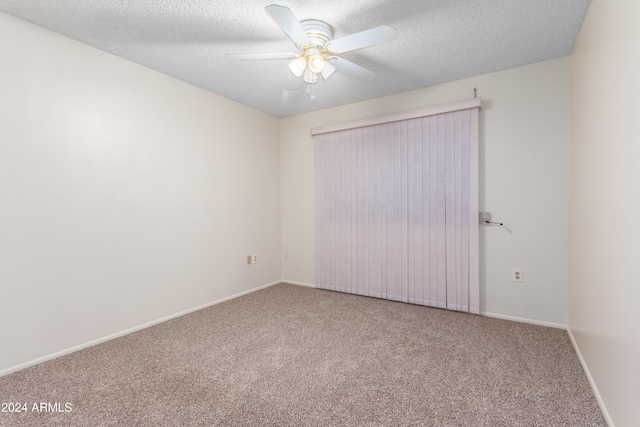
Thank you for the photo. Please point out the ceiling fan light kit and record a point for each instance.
(327, 70)
(297, 66)
(315, 63)
(314, 40)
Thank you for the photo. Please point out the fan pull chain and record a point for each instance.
(311, 93)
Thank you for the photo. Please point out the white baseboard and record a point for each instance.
(291, 282)
(22, 366)
(594, 388)
(495, 315)
(524, 320)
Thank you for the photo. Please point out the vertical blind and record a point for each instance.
(397, 210)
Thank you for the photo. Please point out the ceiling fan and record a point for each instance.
(318, 53)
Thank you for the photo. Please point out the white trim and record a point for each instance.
(594, 388)
(291, 282)
(524, 320)
(406, 115)
(22, 366)
(482, 313)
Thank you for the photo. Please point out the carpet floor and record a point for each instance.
(294, 356)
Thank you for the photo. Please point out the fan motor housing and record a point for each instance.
(318, 31)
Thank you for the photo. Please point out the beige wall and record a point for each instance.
(604, 236)
(524, 146)
(125, 195)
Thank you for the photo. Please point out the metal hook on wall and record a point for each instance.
(485, 218)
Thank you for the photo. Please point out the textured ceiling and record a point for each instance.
(438, 41)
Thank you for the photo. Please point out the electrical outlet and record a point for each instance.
(286, 256)
(516, 275)
(248, 259)
(254, 258)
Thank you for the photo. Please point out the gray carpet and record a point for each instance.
(289, 355)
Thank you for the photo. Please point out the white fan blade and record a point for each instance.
(288, 22)
(363, 39)
(350, 69)
(294, 83)
(258, 56)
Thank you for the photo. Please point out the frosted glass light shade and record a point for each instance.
(298, 66)
(328, 70)
(316, 63)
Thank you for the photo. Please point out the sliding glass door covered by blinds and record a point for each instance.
(397, 210)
